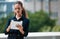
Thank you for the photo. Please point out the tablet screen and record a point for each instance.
(14, 23)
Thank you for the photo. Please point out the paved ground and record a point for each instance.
(48, 37)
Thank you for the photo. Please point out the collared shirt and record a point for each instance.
(25, 26)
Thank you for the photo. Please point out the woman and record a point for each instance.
(20, 15)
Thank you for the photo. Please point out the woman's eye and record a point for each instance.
(17, 8)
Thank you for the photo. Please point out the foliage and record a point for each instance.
(39, 22)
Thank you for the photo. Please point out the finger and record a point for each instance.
(19, 25)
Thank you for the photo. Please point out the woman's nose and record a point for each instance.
(17, 10)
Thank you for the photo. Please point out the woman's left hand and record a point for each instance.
(20, 28)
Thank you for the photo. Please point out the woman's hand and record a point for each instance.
(8, 29)
(20, 28)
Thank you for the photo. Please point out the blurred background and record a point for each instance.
(43, 14)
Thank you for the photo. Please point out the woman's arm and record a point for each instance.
(7, 25)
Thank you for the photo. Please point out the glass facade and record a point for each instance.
(27, 0)
(2, 7)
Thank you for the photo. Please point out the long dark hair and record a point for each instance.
(23, 11)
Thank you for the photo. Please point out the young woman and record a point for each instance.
(20, 15)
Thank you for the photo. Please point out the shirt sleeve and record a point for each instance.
(26, 27)
(8, 23)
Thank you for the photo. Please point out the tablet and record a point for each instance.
(14, 23)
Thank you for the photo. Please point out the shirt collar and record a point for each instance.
(18, 19)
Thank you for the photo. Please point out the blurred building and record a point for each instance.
(6, 6)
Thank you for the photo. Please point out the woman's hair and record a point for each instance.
(23, 11)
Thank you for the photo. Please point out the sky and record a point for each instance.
(13, 0)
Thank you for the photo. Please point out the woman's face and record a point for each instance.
(17, 9)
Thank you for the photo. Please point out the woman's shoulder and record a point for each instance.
(11, 18)
(26, 20)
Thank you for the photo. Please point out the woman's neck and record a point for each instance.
(18, 17)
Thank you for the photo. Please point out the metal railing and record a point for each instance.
(37, 35)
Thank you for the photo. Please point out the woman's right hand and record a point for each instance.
(8, 29)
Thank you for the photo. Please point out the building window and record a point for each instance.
(5, 8)
(41, 0)
(53, 0)
(27, 0)
(54, 15)
(13, 7)
(2, 8)
(2, 0)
